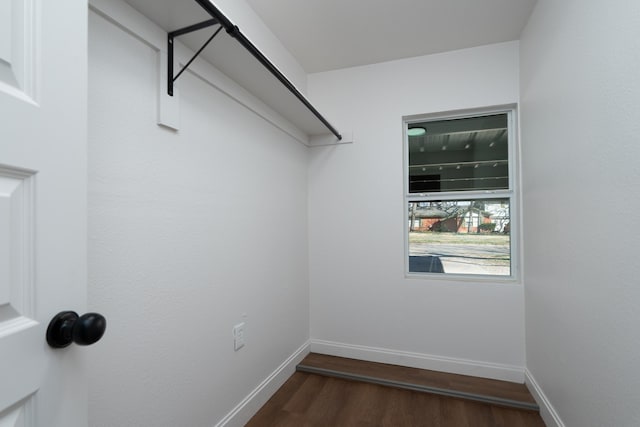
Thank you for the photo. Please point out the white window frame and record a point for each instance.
(512, 193)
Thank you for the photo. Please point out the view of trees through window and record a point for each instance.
(460, 236)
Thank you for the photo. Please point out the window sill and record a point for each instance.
(464, 278)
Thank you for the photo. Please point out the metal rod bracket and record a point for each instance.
(173, 34)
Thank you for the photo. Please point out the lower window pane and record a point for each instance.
(460, 237)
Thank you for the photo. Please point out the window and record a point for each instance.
(459, 194)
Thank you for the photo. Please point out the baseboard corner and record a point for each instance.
(249, 406)
(547, 411)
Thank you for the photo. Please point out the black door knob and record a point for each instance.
(67, 327)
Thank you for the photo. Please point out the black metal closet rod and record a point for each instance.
(235, 32)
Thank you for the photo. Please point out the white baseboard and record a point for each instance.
(422, 361)
(547, 411)
(250, 405)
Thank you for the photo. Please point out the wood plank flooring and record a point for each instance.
(485, 390)
(310, 400)
(335, 391)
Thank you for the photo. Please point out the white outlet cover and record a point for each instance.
(238, 336)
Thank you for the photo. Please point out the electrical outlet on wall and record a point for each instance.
(238, 336)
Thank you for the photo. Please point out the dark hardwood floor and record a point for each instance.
(309, 399)
(486, 389)
(314, 400)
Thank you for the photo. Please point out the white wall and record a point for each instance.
(188, 231)
(580, 93)
(361, 303)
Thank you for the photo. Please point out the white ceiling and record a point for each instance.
(330, 34)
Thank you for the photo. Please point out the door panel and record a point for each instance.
(16, 251)
(18, 415)
(18, 47)
(42, 208)
(18, 329)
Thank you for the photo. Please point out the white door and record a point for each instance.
(42, 208)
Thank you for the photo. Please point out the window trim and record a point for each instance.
(512, 193)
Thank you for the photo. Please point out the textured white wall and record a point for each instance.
(187, 232)
(580, 93)
(359, 295)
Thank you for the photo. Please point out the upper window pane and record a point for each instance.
(459, 154)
